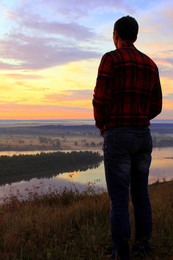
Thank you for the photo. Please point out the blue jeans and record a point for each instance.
(127, 159)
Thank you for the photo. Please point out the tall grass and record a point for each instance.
(75, 226)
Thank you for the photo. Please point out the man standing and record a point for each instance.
(126, 97)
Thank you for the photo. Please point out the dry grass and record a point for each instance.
(76, 226)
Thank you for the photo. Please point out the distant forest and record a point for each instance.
(161, 128)
(24, 167)
(51, 130)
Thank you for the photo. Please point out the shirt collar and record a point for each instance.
(127, 44)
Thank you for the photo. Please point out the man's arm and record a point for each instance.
(102, 92)
(156, 99)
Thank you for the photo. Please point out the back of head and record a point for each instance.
(127, 28)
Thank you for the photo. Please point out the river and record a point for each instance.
(161, 170)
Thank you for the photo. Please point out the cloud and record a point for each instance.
(157, 20)
(44, 25)
(166, 114)
(23, 76)
(39, 107)
(165, 65)
(69, 30)
(49, 33)
(18, 111)
(29, 52)
(165, 16)
(71, 95)
(36, 41)
(72, 9)
(169, 97)
(155, 36)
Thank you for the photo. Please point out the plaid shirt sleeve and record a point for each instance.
(102, 92)
(156, 98)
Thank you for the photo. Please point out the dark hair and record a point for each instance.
(127, 28)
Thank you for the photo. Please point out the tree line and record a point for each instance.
(24, 167)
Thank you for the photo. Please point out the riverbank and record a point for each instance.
(73, 226)
(25, 167)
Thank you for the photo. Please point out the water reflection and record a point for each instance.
(9, 177)
(25, 190)
(161, 168)
(162, 164)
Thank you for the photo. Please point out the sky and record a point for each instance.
(50, 51)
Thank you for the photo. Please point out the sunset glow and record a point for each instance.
(50, 52)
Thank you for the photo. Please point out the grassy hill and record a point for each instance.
(76, 226)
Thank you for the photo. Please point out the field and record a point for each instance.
(76, 226)
(31, 143)
(61, 137)
(49, 138)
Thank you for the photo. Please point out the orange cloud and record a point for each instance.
(71, 95)
(13, 111)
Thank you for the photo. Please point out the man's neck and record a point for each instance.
(120, 43)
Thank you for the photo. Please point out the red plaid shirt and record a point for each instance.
(128, 90)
